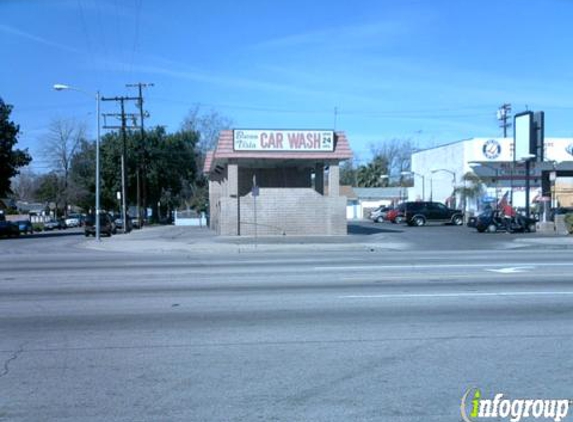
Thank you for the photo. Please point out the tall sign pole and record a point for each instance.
(255, 194)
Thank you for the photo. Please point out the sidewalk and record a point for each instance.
(201, 240)
(172, 239)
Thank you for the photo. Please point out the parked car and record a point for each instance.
(58, 224)
(73, 220)
(9, 229)
(25, 226)
(119, 224)
(396, 215)
(423, 212)
(106, 225)
(136, 222)
(379, 214)
(493, 221)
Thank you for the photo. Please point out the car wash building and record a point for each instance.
(272, 182)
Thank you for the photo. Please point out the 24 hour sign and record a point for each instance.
(283, 140)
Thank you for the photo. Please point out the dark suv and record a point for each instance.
(106, 225)
(420, 213)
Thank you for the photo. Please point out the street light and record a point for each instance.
(453, 173)
(62, 87)
(410, 173)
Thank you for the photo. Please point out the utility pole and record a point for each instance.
(123, 127)
(141, 164)
(504, 117)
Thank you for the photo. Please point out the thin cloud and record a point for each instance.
(199, 75)
(351, 36)
(18, 33)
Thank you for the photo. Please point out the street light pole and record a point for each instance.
(453, 173)
(97, 223)
(407, 173)
(62, 87)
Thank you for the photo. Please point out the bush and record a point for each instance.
(569, 222)
(38, 227)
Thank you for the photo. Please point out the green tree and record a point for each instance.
(50, 191)
(170, 166)
(82, 176)
(368, 175)
(10, 159)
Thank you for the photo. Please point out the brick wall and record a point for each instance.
(287, 203)
(290, 211)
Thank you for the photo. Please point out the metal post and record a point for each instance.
(123, 180)
(454, 187)
(97, 225)
(496, 187)
(527, 186)
(431, 188)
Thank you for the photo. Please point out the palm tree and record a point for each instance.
(368, 176)
(471, 189)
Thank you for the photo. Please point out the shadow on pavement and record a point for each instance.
(361, 229)
(44, 235)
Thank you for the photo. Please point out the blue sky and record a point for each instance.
(433, 71)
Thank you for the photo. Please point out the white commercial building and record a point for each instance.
(438, 171)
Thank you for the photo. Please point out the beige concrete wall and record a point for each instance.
(292, 211)
(287, 202)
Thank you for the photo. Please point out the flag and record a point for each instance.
(504, 206)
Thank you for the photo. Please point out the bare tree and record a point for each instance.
(62, 143)
(24, 185)
(207, 124)
(396, 152)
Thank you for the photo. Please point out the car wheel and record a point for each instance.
(399, 220)
(458, 220)
(532, 228)
(86, 234)
(481, 230)
(378, 220)
(491, 228)
(419, 221)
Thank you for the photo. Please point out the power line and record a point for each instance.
(363, 113)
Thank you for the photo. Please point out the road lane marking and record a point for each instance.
(430, 266)
(457, 295)
(511, 270)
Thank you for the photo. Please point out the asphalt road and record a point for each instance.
(336, 336)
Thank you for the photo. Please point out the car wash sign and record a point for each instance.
(283, 140)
